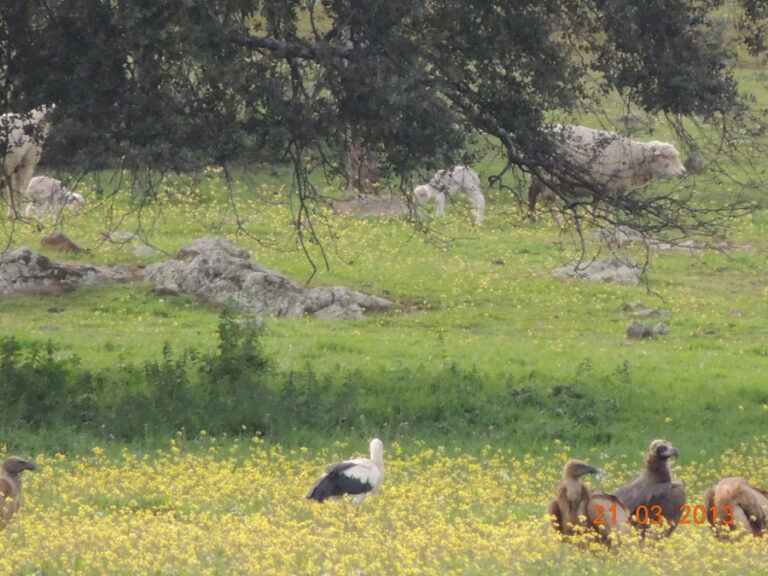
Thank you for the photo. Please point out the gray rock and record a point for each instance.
(623, 272)
(23, 271)
(691, 245)
(337, 312)
(218, 272)
(640, 330)
(660, 328)
(209, 245)
(687, 246)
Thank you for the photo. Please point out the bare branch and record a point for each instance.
(288, 51)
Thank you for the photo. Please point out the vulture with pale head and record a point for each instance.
(662, 497)
(10, 486)
(356, 478)
(734, 505)
(578, 507)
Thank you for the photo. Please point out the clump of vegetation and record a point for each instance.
(36, 387)
(237, 387)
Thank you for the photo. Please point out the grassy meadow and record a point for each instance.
(483, 380)
(487, 376)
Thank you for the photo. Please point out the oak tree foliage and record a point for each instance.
(181, 84)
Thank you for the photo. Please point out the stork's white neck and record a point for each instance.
(377, 453)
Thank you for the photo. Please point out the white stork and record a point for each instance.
(356, 478)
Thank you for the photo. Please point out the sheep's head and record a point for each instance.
(666, 160)
(76, 203)
(423, 193)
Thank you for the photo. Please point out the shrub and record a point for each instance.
(35, 386)
(236, 387)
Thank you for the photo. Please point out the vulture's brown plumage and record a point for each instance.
(577, 507)
(655, 487)
(607, 515)
(737, 506)
(10, 486)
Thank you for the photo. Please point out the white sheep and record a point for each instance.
(603, 161)
(21, 141)
(449, 183)
(47, 196)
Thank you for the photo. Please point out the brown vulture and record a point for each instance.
(356, 478)
(662, 498)
(10, 486)
(577, 506)
(733, 504)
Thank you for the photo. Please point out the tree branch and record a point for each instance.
(285, 50)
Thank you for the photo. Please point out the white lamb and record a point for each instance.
(449, 183)
(21, 142)
(47, 196)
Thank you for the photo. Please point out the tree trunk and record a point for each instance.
(362, 168)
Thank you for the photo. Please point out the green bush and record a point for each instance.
(35, 387)
(237, 388)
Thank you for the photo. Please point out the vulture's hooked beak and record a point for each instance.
(670, 451)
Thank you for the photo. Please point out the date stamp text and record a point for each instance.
(644, 515)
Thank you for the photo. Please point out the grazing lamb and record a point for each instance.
(449, 183)
(47, 196)
(603, 161)
(21, 142)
